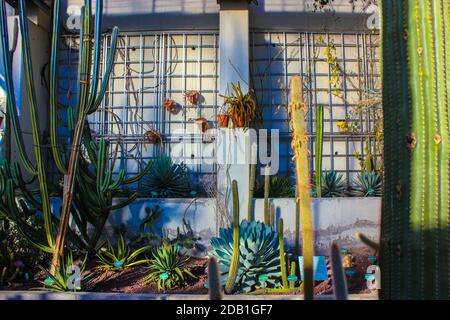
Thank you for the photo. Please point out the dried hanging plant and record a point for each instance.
(192, 97)
(170, 105)
(153, 137)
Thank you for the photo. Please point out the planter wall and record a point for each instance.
(334, 219)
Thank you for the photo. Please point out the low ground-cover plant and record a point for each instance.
(120, 258)
(65, 278)
(168, 268)
(258, 255)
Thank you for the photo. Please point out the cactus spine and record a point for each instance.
(338, 274)
(282, 259)
(416, 90)
(235, 258)
(319, 150)
(297, 111)
(214, 287)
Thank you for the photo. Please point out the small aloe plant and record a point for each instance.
(122, 258)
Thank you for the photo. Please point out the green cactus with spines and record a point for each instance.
(94, 188)
(292, 272)
(282, 258)
(297, 111)
(319, 150)
(266, 199)
(235, 258)
(415, 238)
(251, 188)
(214, 287)
(339, 279)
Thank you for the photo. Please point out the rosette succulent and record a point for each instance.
(259, 255)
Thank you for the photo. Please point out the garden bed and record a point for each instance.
(132, 280)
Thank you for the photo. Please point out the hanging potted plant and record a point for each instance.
(202, 124)
(242, 108)
(170, 105)
(192, 97)
(223, 117)
(153, 137)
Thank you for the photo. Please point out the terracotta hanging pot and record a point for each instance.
(202, 124)
(192, 97)
(223, 120)
(153, 137)
(170, 105)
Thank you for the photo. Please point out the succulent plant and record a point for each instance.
(333, 184)
(279, 187)
(367, 184)
(120, 258)
(168, 268)
(259, 255)
(166, 179)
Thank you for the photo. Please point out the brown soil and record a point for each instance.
(132, 280)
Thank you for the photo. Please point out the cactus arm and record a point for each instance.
(124, 203)
(371, 244)
(108, 69)
(266, 198)
(251, 188)
(232, 274)
(282, 259)
(214, 287)
(292, 273)
(139, 176)
(338, 274)
(56, 150)
(10, 95)
(34, 115)
(319, 150)
(297, 109)
(97, 40)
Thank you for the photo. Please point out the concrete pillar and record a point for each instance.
(233, 145)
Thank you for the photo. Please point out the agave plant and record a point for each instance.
(63, 279)
(367, 184)
(122, 258)
(166, 179)
(168, 268)
(259, 255)
(279, 187)
(333, 184)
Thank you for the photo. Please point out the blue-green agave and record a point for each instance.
(166, 179)
(367, 184)
(259, 255)
(333, 184)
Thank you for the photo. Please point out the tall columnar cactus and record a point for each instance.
(415, 237)
(266, 198)
(319, 150)
(93, 199)
(235, 258)
(338, 274)
(38, 168)
(297, 111)
(89, 99)
(282, 259)
(214, 287)
(251, 188)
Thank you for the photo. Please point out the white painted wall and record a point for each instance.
(334, 219)
(198, 14)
